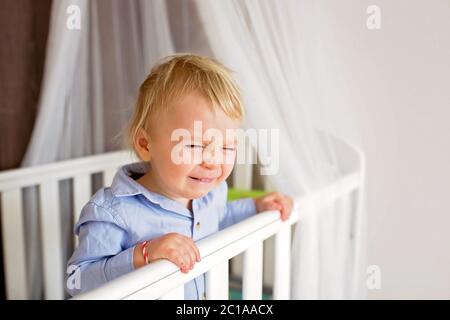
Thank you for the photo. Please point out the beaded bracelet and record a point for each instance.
(144, 251)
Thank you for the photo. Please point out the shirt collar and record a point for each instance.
(124, 185)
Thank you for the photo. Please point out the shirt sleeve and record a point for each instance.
(235, 211)
(101, 254)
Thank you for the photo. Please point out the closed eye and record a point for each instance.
(194, 146)
(200, 146)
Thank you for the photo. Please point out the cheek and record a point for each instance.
(226, 171)
(179, 171)
(171, 170)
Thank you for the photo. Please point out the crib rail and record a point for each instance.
(46, 178)
(163, 280)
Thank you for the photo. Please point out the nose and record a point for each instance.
(210, 170)
(208, 166)
(209, 163)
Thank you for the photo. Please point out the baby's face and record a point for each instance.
(195, 178)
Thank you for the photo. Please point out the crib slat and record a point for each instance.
(282, 261)
(81, 194)
(217, 282)
(175, 294)
(242, 172)
(108, 176)
(253, 276)
(242, 176)
(242, 179)
(14, 245)
(342, 240)
(51, 240)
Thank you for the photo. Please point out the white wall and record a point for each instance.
(396, 81)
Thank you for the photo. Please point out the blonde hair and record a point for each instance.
(176, 76)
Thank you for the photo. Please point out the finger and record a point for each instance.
(188, 255)
(280, 202)
(282, 205)
(179, 258)
(287, 203)
(185, 267)
(193, 247)
(192, 257)
(282, 215)
(179, 261)
(272, 196)
(270, 205)
(197, 252)
(290, 203)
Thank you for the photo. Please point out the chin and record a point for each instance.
(194, 194)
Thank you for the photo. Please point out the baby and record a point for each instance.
(157, 208)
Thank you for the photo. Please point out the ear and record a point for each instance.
(142, 145)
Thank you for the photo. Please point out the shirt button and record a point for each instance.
(204, 295)
(197, 226)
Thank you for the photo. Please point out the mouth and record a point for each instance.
(202, 180)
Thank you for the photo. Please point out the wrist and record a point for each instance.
(256, 204)
(139, 255)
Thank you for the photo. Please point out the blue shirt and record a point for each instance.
(117, 218)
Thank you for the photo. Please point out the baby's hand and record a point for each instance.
(275, 201)
(176, 248)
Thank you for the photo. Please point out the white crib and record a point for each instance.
(162, 279)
